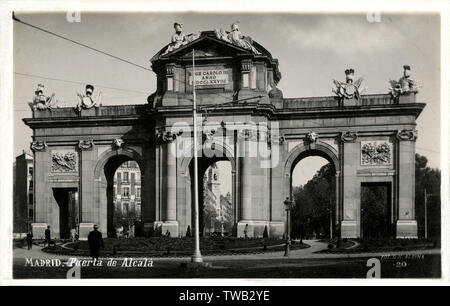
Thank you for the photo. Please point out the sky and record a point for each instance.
(312, 49)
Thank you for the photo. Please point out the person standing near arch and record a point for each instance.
(95, 241)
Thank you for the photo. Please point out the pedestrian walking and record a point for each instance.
(73, 234)
(30, 240)
(95, 241)
(48, 236)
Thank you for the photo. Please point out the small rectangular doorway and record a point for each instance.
(69, 212)
(376, 210)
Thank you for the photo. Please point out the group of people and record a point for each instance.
(95, 240)
(47, 240)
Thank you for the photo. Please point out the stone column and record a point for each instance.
(90, 212)
(350, 225)
(171, 181)
(246, 162)
(169, 214)
(406, 223)
(245, 91)
(42, 208)
(246, 181)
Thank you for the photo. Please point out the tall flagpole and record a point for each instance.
(197, 256)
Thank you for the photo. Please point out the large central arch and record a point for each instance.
(215, 152)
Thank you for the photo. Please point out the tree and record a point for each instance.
(429, 179)
(375, 210)
(311, 213)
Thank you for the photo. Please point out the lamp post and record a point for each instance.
(288, 207)
(197, 256)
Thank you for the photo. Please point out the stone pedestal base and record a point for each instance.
(38, 230)
(160, 228)
(350, 229)
(277, 229)
(85, 229)
(350, 102)
(407, 98)
(254, 229)
(407, 229)
(196, 265)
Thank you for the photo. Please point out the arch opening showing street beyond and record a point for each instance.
(217, 204)
(215, 197)
(127, 200)
(314, 195)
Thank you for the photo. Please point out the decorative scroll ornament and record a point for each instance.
(167, 136)
(349, 89)
(247, 134)
(407, 135)
(118, 143)
(85, 145)
(236, 38)
(64, 161)
(42, 102)
(208, 135)
(374, 153)
(349, 136)
(86, 100)
(37, 146)
(312, 137)
(179, 39)
(275, 139)
(404, 85)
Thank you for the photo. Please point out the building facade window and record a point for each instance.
(138, 192)
(126, 207)
(126, 191)
(125, 177)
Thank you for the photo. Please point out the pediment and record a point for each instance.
(205, 46)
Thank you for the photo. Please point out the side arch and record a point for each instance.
(103, 184)
(107, 155)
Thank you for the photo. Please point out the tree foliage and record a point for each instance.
(430, 180)
(313, 201)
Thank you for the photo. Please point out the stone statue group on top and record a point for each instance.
(234, 37)
(352, 89)
(41, 101)
(86, 100)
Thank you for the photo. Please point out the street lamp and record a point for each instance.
(288, 206)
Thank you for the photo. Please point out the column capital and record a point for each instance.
(246, 65)
(247, 134)
(170, 69)
(85, 145)
(166, 136)
(407, 135)
(38, 146)
(349, 136)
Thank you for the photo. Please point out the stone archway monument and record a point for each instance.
(244, 116)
